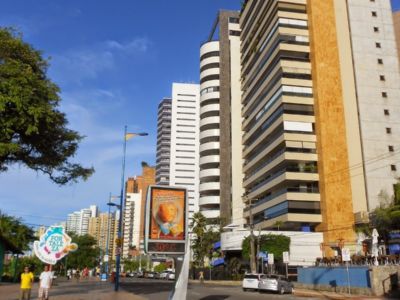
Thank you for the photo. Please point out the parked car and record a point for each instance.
(250, 281)
(170, 275)
(163, 275)
(151, 275)
(139, 274)
(275, 283)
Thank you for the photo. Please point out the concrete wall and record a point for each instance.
(381, 279)
(304, 246)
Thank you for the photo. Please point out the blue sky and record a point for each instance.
(114, 61)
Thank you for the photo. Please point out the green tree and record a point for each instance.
(206, 234)
(130, 265)
(87, 254)
(160, 268)
(33, 131)
(271, 243)
(16, 232)
(386, 217)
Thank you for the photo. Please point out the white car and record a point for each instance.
(164, 275)
(250, 281)
(170, 276)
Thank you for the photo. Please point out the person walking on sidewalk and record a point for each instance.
(46, 279)
(26, 284)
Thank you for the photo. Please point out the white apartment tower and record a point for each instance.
(78, 221)
(184, 157)
(163, 142)
(221, 174)
(131, 221)
(377, 81)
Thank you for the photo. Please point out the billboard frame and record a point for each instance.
(164, 243)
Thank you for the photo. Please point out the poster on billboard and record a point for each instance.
(166, 220)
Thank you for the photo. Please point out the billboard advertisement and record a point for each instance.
(166, 220)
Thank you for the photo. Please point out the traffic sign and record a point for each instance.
(105, 258)
(346, 254)
(270, 258)
(286, 257)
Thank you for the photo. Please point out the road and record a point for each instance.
(137, 289)
(154, 289)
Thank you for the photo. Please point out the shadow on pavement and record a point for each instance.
(215, 297)
(145, 288)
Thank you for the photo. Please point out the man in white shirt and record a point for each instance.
(46, 278)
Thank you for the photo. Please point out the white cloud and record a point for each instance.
(77, 65)
(134, 46)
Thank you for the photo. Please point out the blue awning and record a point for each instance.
(217, 245)
(217, 262)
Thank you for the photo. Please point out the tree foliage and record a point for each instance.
(271, 243)
(130, 265)
(386, 217)
(87, 255)
(19, 234)
(33, 131)
(160, 268)
(205, 235)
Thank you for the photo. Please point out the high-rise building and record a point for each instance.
(134, 209)
(132, 218)
(103, 227)
(78, 221)
(221, 174)
(163, 142)
(184, 157)
(319, 82)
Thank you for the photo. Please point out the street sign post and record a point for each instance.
(286, 260)
(346, 256)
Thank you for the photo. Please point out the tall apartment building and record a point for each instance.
(184, 159)
(103, 227)
(78, 221)
(163, 142)
(319, 82)
(135, 203)
(220, 153)
(132, 218)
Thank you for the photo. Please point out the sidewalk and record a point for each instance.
(72, 290)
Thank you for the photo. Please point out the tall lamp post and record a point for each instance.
(109, 204)
(127, 136)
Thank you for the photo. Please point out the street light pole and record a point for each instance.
(108, 236)
(252, 247)
(121, 206)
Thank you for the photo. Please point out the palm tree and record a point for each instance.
(278, 224)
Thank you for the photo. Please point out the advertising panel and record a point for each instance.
(166, 220)
(53, 245)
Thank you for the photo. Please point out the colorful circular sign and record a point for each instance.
(53, 245)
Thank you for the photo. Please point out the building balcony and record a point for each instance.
(209, 173)
(209, 159)
(209, 186)
(209, 108)
(210, 133)
(209, 146)
(210, 214)
(207, 200)
(209, 121)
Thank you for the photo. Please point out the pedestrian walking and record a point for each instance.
(201, 277)
(69, 274)
(26, 284)
(46, 279)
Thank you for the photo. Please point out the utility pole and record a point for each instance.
(252, 254)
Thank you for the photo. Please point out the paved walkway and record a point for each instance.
(71, 290)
